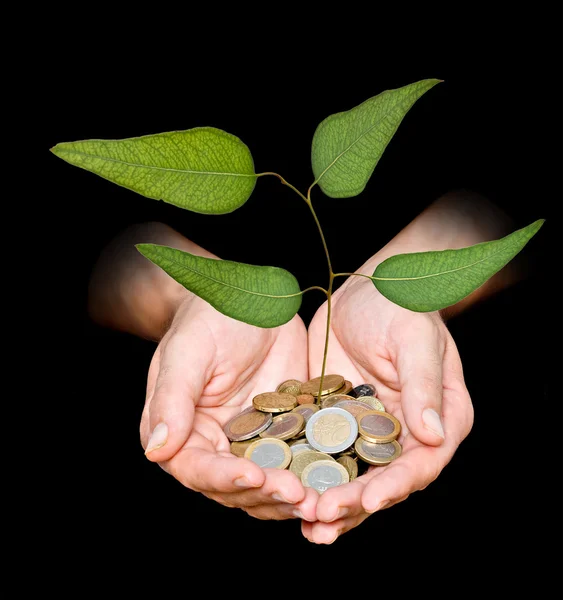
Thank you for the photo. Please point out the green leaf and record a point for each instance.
(425, 281)
(261, 296)
(205, 170)
(347, 146)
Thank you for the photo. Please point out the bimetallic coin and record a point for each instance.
(291, 386)
(378, 427)
(284, 426)
(350, 465)
(372, 401)
(300, 446)
(333, 399)
(239, 448)
(377, 454)
(303, 459)
(307, 410)
(269, 453)
(354, 407)
(331, 430)
(366, 389)
(305, 399)
(274, 402)
(324, 474)
(246, 425)
(331, 383)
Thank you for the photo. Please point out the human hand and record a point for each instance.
(205, 370)
(413, 362)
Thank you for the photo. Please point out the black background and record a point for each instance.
(493, 126)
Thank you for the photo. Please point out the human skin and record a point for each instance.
(208, 366)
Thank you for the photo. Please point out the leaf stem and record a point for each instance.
(284, 183)
(314, 287)
(356, 275)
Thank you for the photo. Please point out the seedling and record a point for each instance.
(207, 170)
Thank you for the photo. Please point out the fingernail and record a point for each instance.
(432, 421)
(242, 482)
(298, 514)
(158, 437)
(342, 512)
(379, 506)
(279, 498)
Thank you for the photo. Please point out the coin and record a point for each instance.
(239, 448)
(372, 401)
(377, 454)
(333, 399)
(274, 402)
(331, 430)
(246, 425)
(306, 410)
(348, 387)
(303, 459)
(350, 465)
(366, 389)
(284, 426)
(330, 384)
(305, 399)
(354, 407)
(378, 427)
(269, 453)
(291, 386)
(300, 446)
(324, 474)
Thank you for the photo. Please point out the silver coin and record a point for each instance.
(268, 455)
(365, 389)
(324, 474)
(300, 447)
(331, 430)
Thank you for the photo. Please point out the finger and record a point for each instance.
(184, 371)
(302, 510)
(414, 470)
(152, 375)
(341, 501)
(419, 365)
(279, 486)
(328, 533)
(205, 471)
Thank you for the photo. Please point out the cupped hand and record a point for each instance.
(205, 370)
(412, 360)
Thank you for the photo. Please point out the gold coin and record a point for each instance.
(354, 407)
(324, 474)
(284, 426)
(350, 465)
(291, 386)
(378, 427)
(274, 402)
(372, 401)
(333, 399)
(239, 448)
(306, 410)
(331, 383)
(301, 460)
(305, 399)
(269, 453)
(377, 454)
(347, 388)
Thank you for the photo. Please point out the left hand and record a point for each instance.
(412, 360)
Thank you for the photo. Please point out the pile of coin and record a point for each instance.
(317, 436)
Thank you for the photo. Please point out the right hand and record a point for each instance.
(206, 369)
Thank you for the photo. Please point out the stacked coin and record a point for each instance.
(318, 434)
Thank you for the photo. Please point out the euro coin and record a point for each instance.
(332, 399)
(284, 426)
(378, 427)
(269, 453)
(354, 407)
(307, 410)
(377, 454)
(322, 475)
(331, 430)
(350, 465)
(291, 386)
(305, 399)
(299, 462)
(274, 402)
(239, 448)
(331, 383)
(246, 425)
(372, 401)
(348, 387)
(299, 446)
(366, 389)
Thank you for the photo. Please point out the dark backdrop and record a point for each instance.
(493, 126)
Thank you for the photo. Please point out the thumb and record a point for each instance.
(419, 365)
(179, 384)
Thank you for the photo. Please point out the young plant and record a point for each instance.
(209, 171)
